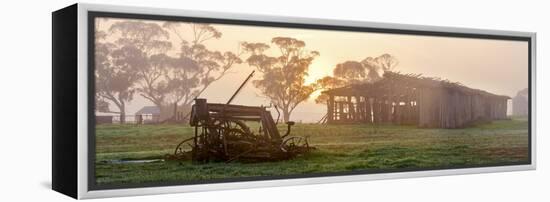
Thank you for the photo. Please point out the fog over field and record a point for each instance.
(496, 66)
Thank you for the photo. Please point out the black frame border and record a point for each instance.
(64, 140)
(92, 15)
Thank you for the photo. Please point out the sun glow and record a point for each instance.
(317, 70)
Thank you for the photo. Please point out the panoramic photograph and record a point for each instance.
(189, 102)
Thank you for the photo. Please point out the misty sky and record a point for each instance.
(496, 66)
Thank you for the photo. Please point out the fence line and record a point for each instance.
(129, 119)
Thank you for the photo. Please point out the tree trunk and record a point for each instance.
(286, 115)
(122, 113)
(175, 116)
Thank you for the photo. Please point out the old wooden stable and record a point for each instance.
(415, 100)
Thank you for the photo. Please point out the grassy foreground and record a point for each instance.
(339, 148)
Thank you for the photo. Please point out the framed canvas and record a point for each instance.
(150, 101)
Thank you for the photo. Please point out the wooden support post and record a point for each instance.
(330, 109)
(368, 110)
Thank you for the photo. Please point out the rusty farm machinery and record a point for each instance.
(221, 134)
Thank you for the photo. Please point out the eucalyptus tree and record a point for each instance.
(283, 78)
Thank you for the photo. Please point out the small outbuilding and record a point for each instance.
(106, 117)
(520, 103)
(148, 114)
(414, 100)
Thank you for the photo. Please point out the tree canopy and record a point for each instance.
(352, 72)
(283, 78)
(205, 65)
(141, 59)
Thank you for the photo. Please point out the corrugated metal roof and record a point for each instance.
(149, 110)
(408, 81)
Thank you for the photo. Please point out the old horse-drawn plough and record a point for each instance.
(222, 134)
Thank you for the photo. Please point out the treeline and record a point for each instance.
(132, 58)
(137, 62)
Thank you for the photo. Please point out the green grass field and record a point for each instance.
(339, 148)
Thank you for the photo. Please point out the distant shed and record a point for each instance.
(148, 110)
(148, 114)
(520, 103)
(413, 99)
(105, 117)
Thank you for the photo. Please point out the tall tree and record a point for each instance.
(351, 72)
(115, 76)
(151, 41)
(165, 77)
(328, 82)
(101, 105)
(179, 76)
(383, 63)
(346, 73)
(283, 79)
(387, 62)
(371, 65)
(197, 66)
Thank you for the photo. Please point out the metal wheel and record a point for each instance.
(184, 148)
(228, 129)
(227, 137)
(235, 129)
(295, 144)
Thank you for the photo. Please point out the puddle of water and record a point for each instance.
(135, 161)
